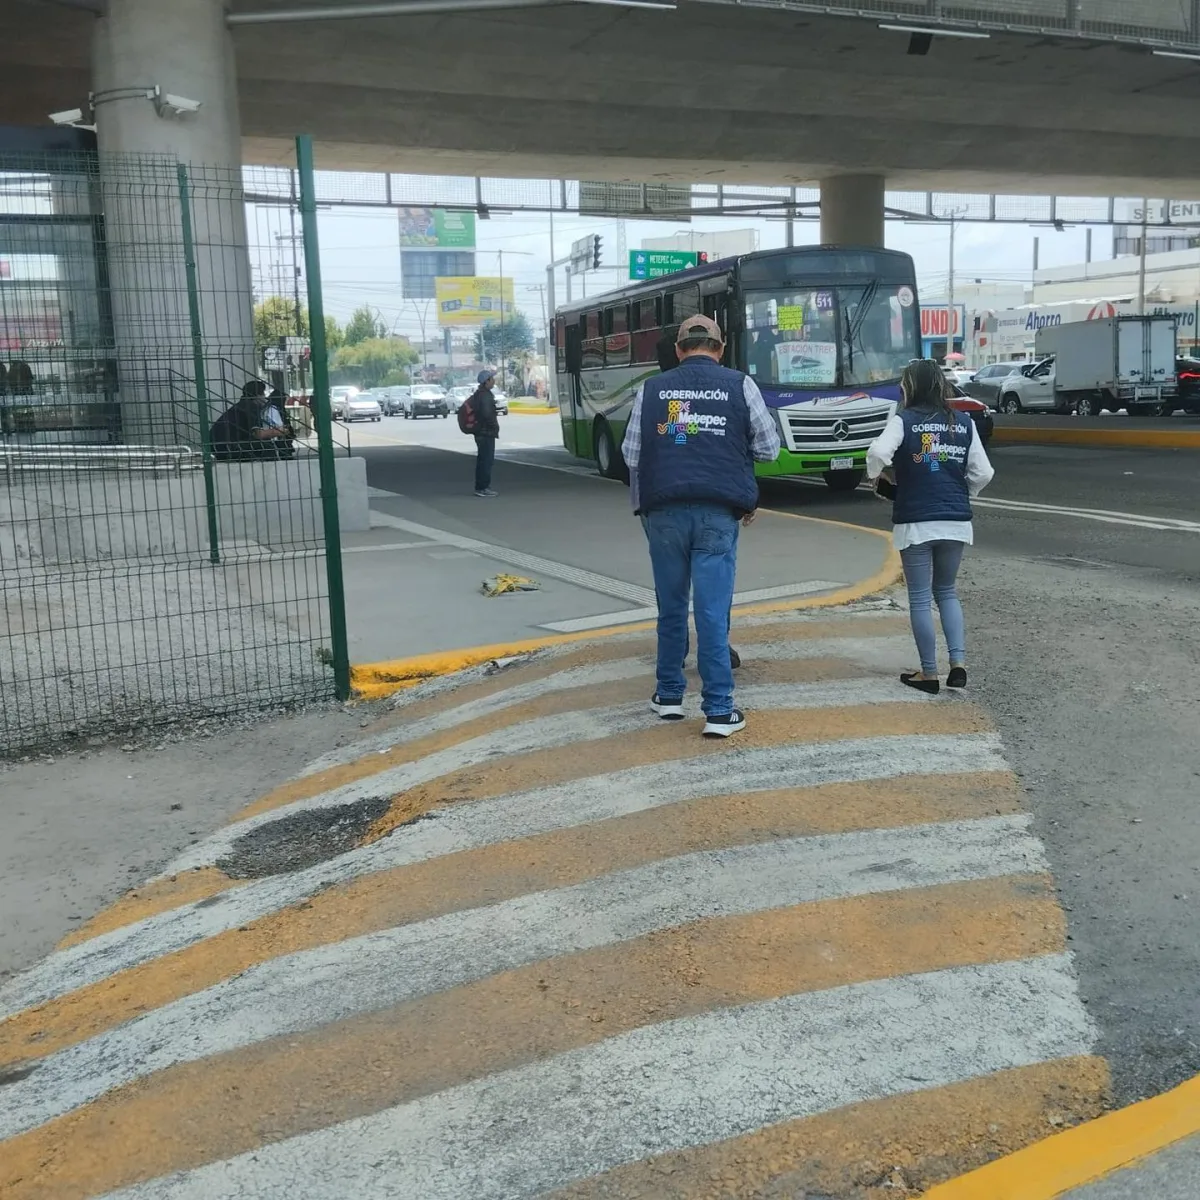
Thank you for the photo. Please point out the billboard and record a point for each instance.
(436, 228)
(472, 301)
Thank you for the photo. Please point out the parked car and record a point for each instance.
(501, 399)
(361, 407)
(337, 399)
(986, 382)
(977, 410)
(1187, 371)
(427, 400)
(395, 401)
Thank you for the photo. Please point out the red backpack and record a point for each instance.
(468, 418)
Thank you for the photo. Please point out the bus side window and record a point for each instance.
(647, 317)
(616, 342)
(593, 341)
(685, 302)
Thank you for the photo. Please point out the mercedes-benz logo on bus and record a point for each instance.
(841, 430)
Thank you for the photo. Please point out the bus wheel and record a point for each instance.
(604, 450)
(843, 481)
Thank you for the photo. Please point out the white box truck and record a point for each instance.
(1118, 362)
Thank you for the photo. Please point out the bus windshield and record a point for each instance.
(847, 336)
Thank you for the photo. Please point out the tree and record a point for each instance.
(370, 361)
(275, 317)
(363, 324)
(498, 341)
(334, 336)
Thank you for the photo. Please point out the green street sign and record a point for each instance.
(654, 264)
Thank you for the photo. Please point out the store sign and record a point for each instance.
(934, 320)
(438, 228)
(477, 300)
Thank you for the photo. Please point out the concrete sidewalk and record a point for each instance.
(413, 582)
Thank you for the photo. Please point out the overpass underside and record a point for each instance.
(1061, 96)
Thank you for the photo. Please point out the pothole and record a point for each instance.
(302, 839)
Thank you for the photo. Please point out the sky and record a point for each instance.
(360, 255)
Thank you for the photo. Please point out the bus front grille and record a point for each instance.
(806, 431)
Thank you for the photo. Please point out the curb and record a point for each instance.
(537, 410)
(1114, 439)
(376, 681)
(1084, 1154)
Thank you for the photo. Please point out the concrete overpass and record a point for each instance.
(710, 90)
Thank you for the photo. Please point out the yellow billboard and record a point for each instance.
(472, 299)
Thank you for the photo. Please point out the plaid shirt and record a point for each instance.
(764, 435)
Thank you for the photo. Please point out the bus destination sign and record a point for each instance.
(654, 264)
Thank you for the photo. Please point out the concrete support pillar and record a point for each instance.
(183, 49)
(852, 210)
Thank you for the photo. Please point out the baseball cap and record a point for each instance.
(484, 375)
(699, 327)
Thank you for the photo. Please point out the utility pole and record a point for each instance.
(1141, 297)
(422, 317)
(297, 313)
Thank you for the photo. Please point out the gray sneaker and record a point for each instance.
(486, 493)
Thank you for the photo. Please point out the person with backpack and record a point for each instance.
(477, 416)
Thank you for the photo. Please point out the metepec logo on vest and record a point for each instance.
(681, 422)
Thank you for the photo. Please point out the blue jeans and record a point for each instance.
(693, 551)
(930, 569)
(485, 456)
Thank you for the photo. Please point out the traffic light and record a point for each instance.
(595, 252)
(701, 256)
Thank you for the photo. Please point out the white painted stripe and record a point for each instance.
(544, 733)
(387, 546)
(629, 615)
(1134, 520)
(488, 822)
(311, 988)
(874, 654)
(691, 1082)
(529, 562)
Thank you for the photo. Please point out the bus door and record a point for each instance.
(571, 404)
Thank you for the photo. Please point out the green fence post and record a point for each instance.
(193, 292)
(324, 423)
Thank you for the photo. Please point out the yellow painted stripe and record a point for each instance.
(491, 874)
(667, 742)
(1134, 439)
(235, 1102)
(592, 695)
(1084, 1154)
(880, 1149)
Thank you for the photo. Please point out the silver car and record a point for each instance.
(986, 383)
(361, 407)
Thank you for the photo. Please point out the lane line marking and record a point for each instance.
(589, 580)
(697, 1080)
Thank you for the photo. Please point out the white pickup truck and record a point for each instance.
(1090, 366)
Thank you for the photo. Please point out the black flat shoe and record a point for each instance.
(957, 677)
(735, 659)
(913, 680)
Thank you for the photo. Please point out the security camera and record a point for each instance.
(70, 116)
(181, 104)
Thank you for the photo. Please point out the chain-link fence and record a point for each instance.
(162, 532)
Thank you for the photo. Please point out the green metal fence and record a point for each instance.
(161, 557)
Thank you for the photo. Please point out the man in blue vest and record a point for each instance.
(691, 443)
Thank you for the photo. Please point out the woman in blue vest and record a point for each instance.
(934, 459)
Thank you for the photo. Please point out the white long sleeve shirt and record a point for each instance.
(979, 470)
